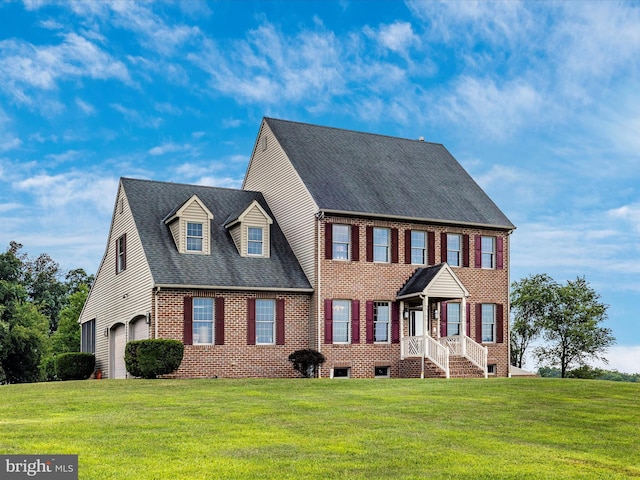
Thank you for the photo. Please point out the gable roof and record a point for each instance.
(152, 201)
(367, 174)
(425, 278)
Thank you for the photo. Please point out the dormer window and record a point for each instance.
(194, 237)
(254, 241)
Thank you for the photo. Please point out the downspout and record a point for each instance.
(319, 217)
(155, 312)
(509, 303)
(425, 324)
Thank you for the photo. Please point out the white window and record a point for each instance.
(341, 321)
(342, 372)
(488, 246)
(381, 245)
(491, 369)
(418, 247)
(382, 372)
(488, 322)
(454, 249)
(340, 239)
(121, 247)
(265, 322)
(203, 321)
(381, 315)
(194, 237)
(453, 319)
(254, 239)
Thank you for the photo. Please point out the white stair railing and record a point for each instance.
(437, 353)
(466, 347)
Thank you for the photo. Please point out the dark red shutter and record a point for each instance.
(468, 312)
(499, 253)
(478, 249)
(280, 321)
(355, 321)
(395, 322)
(443, 319)
(188, 321)
(355, 243)
(369, 321)
(394, 245)
(251, 321)
(219, 320)
(431, 246)
(328, 321)
(465, 250)
(407, 246)
(479, 322)
(499, 323)
(328, 241)
(443, 247)
(369, 232)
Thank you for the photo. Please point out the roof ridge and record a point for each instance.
(184, 184)
(353, 131)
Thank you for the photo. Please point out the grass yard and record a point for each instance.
(366, 429)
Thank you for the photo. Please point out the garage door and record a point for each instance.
(139, 329)
(118, 342)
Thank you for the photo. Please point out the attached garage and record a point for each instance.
(139, 329)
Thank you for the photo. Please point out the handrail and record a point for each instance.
(437, 353)
(468, 348)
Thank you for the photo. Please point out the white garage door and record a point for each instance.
(118, 342)
(139, 329)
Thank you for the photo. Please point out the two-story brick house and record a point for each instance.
(380, 252)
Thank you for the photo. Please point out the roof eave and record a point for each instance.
(234, 287)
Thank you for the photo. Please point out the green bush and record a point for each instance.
(150, 358)
(75, 365)
(306, 361)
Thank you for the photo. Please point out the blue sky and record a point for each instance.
(539, 101)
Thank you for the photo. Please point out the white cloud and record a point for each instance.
(397, 37)
(622, 358)
(169, 147)
(136, 117)
(87, 108)
(628, 213)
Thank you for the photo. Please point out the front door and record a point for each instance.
(416, 323)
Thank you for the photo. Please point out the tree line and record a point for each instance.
(40, 305)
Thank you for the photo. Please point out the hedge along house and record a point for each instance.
(380, 252)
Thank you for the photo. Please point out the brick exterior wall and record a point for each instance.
(362, 280)
(234, 359)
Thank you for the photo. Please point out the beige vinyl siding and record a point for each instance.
(236, 235)
(271, 173)
(175, 232)
(445, 286)
(118, 298)
(255, 218)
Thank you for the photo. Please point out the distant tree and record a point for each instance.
(531, 299)
(67, 337)
(42, 280)
(571, 327)
(77, 277)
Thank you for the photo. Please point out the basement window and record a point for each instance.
(382, 372)
(344, 372)
(491, 369)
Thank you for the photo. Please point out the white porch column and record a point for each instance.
(402, 340)
(425, 326)
(463, 327)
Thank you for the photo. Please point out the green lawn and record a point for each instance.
(206, 429)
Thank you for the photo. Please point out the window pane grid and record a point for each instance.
(254, 245)
(453, 319)
(340, 242)
(418, 248)
(194, 237)
(488, 251)
(265, 321)
(341, 321)
(453, 249)
(381, 312)
(488, 322)
(380, 245)
(202, 317)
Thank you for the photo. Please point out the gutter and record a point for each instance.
(233, 287)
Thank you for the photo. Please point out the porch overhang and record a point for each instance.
(437, 281)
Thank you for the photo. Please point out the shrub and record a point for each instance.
(75, 365)
(150, 358)
(307, 361)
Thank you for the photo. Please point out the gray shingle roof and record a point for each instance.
(150, 203)
(348, 171)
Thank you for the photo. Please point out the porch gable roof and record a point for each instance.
(435, 281)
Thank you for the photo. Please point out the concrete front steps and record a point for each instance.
(459, 367)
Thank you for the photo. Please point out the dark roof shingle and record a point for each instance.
(349, 171)
(152, 201)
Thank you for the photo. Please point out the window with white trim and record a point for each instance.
(454, 249)
(341, 321)
(418, 247)
(121, 252)
(381, 243)
(342, 372)
(195, 237)
(488, 322)
(254, 241)
(453, 319)
(488, 252)
(382, 372)
(203, 321)
(381, 323)
(265, 321)
(340, 240)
